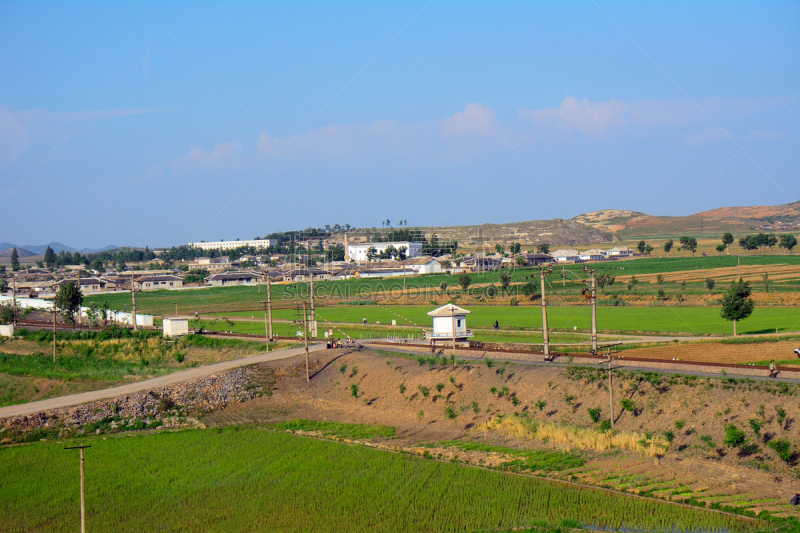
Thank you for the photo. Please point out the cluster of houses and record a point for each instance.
(253, 270)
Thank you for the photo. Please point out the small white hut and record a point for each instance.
(450, 321)
(176, 326)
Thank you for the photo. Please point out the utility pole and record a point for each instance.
(269, 306)
(545, 329)
(79, 290)
(83, 484)
(266, 327)
(313, 318)
(176, 308)
(133, 297)
(305, 336)
(594, 313)
(14, 299)
(610, 390)
(54, 331)
(454, 336)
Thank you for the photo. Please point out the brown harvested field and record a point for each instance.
(777, 272)
(716, 352)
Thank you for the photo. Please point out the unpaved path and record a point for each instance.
(161, 381)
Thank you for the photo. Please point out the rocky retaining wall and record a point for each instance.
(199, 396)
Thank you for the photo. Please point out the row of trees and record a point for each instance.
(763, 240)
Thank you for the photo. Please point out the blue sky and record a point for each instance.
(147, 124)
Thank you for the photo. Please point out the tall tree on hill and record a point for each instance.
(49, 257)
(727, 240)
(543, 248)
(788, 242)
(668, 246)
(736, 303)
(14, 260)
(68, 301)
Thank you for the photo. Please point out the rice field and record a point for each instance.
(257, 480)
(686, 320)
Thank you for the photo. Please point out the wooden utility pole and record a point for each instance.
(13, 299)
(269, 306)
(313, 318)
(54, 331)
(266, 326)
(305, 335)
(176, 308)
(83, 484)
(454, 335)
(594, 313)
(545, 329)
(610, 390)
(133, 297)
(79, 290)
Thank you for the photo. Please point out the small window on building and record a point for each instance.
(458, 323)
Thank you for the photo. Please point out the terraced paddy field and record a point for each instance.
(257, 480)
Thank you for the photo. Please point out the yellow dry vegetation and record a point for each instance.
(580, 437)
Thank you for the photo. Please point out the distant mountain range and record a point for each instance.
(39, 249)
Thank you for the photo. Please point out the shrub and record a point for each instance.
(493, 389)
(595, 413)
(343, 368)
(669, 435)
(439, 387)
(540, 404)
(354, 371)
(782, 448)
(748, 448)
(756, 426)
(605, 425)
(781, 414)
(629, 405)
(453, 380)
(449, 412)
(569, 399)
(420, 414)
(179, 356)
(733, 436)
(515, 401)
(426, 391)
(402, 388)
(475, 408)
(679, 424)
(489, 363)
(354, 390)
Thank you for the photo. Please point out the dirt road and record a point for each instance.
(161, 381)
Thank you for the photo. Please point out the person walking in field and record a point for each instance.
(433, 347)
(364, 320)
(772, 371)
(496, 325)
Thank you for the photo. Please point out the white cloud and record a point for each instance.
(14, 137)
(476, 118)
(710, 135)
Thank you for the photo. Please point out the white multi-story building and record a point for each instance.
(358, 252)
(228, 245)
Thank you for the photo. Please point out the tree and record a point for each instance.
(505, 279)
(371, 253)
(736, 303)
(543, 248)
(3, 285)
(443, 286)
(668, 246)
(499, 248)
(464, 280)
(491, 291)
(710, 284)
(689, 243)
(516, 248)
(648, 249)
(521, 261)
(721, 248)
(749, 243)
(727, 240)
(14, 260)
(632, 284)
(49, 257)
(602, 279)
(641, 246)
(68, 301)
(401, 253)
(788, 242)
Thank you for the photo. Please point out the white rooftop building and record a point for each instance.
(358, 251)
(229, 245)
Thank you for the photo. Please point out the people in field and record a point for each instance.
(773, 371)
(795, 500)
(496, 325)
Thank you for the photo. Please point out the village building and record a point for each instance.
(620, 252)
(175, 326)
(226, 279)
(230, 245)
(593, 255)
(566, 256)
(449, 324)
(158, 282)
(358, 251)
